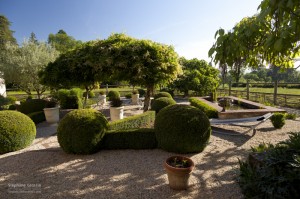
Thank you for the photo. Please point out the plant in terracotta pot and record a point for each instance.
(51, 111)
(135, 97)
(116, 109)
(179, 169)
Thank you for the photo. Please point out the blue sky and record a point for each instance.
(188, 25)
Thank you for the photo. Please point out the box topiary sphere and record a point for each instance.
(81, 131)
(161, 103)
(162, 94)
(182, 129)
(278, 120)
(113, 95)
(17, 131)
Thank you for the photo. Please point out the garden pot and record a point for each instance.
(103, 98)
(52, 114)
(116, 113)
(179, 177)
(135, 99)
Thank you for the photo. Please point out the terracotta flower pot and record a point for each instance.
(178, 176)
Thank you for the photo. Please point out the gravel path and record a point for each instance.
(43, 170)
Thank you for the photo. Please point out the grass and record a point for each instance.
(280, 90)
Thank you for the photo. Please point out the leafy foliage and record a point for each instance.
(162, 94)
(17, 131)
(144, 120)
(209, 111)
(81, 131)
(21, 65)
(182, 129)
(197, 76)
(31, 106)
(279, 174)
(278, 120)
(62, 42)
(161, 103)
(6, 35)
(70, 99)
(113, 95)
(37, 117)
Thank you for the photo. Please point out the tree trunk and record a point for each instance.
(147, 97)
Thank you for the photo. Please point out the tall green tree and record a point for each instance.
(33, 38)
(197, 76)
(62, 42)
(6, 35)
(21, 65)
(144, 62)
(83, 66)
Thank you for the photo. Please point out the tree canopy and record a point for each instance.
(271, 36)
(121, 57)
(62, 42)
(197, 76)
(6, 35)
(21, 65)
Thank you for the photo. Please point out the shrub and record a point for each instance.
(134, 92)
(209, 111)
(101, 93)
(70, 99)
(113, 95)
(278, 120)
(128, 96)
(116, 102)
(12, 107)
(11, 99)
(290, 116)
(182, 129)
(130, 139)
(91, 94)
(162, 94)
(133, 122)
(168, 90)
(161, 103)
(81, 131)
(278, 174)
(142, 92)
(37, 117)
(31, 106)
(17, 131)
(77, 92)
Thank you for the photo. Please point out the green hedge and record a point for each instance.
(37, 117)
(70, 99)
(31, 106)
(137, 121)
(161, 103)
(143, 138)
(209, 111)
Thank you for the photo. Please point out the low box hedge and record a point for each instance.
(37, 117)
(209, 111)
(137, 121)
(143, 138)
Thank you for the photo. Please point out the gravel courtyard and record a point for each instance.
(43, 170)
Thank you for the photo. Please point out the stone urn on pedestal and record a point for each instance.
(51, 112)
(116, 109)
(135, 98)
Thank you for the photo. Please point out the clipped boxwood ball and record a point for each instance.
(113, 95)
(81, 131)
(162, 94)
(17, 131)
(182, 129)
(161, 103)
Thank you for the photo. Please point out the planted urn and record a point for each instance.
(178, 170)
